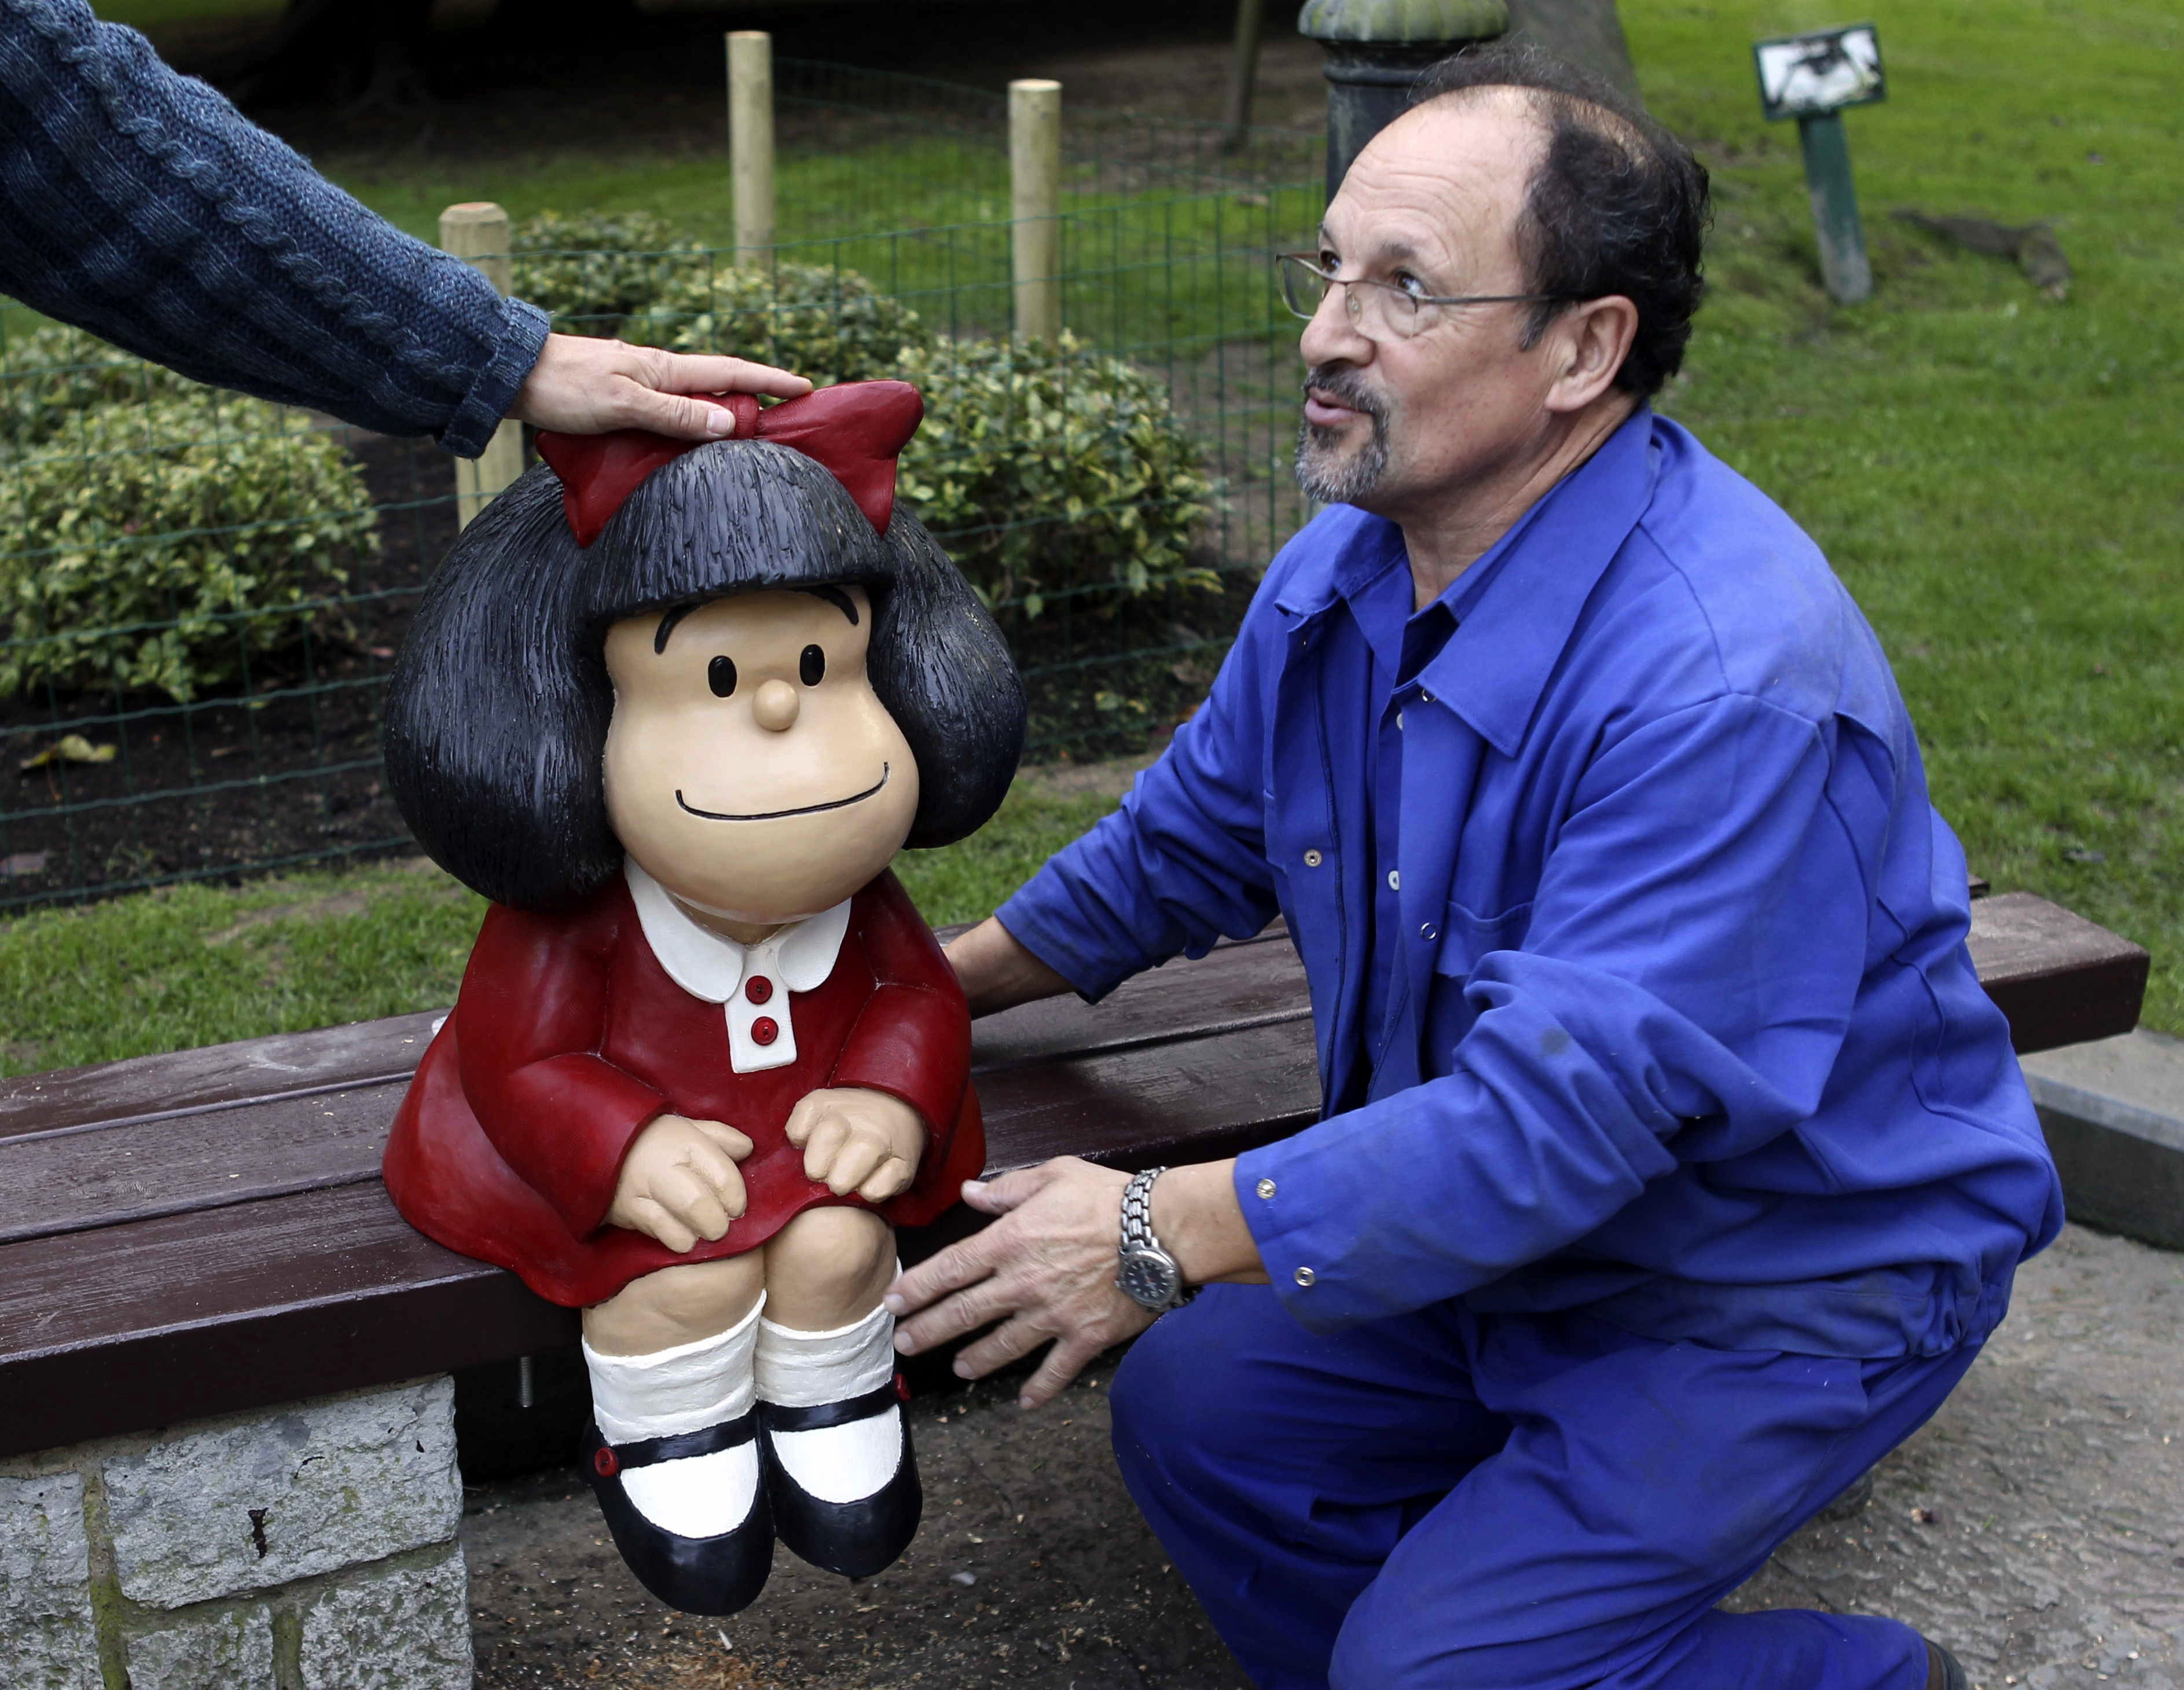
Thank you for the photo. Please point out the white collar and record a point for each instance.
(710, 966)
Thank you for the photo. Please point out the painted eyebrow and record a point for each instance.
(675, 614)
(833, 595)
(836, 597)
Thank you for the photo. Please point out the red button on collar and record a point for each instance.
(758, 989)
(764, 1031)
(604, 1464)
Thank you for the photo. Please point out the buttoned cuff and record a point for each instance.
(523, 337)
(1307, 1215)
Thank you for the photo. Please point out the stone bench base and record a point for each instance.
(310, 1546)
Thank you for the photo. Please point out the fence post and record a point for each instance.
(1036, 192)
(750, 140)
(478, 230)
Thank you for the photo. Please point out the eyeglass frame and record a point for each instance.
(1308, 262)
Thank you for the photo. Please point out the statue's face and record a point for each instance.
(751, 768)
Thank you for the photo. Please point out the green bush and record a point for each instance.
(54, 374)
(1052, 469)
(592, 271)
(155, 545)
(831, 325)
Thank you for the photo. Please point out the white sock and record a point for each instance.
(683, 1389)
(804, 1370)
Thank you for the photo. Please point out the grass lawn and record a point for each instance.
(192, 965)
(1999, 479)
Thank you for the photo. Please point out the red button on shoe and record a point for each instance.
(604, 1464)
(764, 1031)
(759, 988)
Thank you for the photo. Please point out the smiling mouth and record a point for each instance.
(775, 815)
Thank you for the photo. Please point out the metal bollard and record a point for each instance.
(1375, 50)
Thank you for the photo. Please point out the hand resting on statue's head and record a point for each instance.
(680, 1183)
(856, 1140)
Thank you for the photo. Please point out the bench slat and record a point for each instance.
(2060, 979)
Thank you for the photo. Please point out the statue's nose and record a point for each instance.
(776, 706)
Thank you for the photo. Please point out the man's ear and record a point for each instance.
(1590, 341)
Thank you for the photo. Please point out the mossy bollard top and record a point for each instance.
(1375, 49)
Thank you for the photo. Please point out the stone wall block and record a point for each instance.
(402, 1628)
(246, 1503)
(48, 1640)
(232, 1650)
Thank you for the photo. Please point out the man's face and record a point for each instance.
(1401, 426)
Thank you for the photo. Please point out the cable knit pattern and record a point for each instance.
(139, 204)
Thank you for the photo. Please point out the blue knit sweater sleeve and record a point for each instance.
(139, 204)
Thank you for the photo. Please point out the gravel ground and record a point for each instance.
(2036, 1527)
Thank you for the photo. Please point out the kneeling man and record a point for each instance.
(1673, 1165)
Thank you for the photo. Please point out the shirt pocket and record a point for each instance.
(1465, 938)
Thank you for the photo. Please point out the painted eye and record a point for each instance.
(721, 677)
(813, 666)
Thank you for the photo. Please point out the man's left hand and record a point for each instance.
(1045, 1269)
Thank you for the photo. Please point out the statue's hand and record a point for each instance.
(680, 1182)
(854, 1140)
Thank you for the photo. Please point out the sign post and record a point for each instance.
(1813, 78)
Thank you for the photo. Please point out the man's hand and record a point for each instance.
(1045, 1269)
(998, 971)
(680, 1182)
(854, 1140)
(583, 386)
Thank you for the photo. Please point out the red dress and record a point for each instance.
(568, 1037)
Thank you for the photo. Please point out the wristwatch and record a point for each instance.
(1147, 1274)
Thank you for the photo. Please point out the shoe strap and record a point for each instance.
(650, 1452)
(780, 1417)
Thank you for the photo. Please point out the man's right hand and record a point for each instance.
(680, 1182)
(998, 971)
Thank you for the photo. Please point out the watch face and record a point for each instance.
(1149, 1277)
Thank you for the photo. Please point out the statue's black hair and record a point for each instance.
(497, 709)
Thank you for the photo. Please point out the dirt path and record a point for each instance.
(2036, 1527)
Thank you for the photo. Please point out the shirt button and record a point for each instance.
(764, 1030)
(1305, 1276)
(1429, 931)
(758, 989)
(1312, 859)
(1424, 697)
(1265, 1189)
(1394, 881)
(1399, 722)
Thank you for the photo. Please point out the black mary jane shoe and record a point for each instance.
(718, 1575)
(855, 1539)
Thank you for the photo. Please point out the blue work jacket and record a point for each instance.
(1678, 1025)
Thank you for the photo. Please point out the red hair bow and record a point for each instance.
(855, 430)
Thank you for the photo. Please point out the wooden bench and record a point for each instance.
(205, 1232)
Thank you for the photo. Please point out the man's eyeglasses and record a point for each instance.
(1377, 308)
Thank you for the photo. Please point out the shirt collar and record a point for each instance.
(712, 966)
(1518, 606)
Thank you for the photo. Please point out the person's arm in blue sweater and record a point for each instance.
(137, 203)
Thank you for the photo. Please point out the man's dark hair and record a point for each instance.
(1618, 204)
(496, 711)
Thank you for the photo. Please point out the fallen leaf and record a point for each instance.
(71, 747)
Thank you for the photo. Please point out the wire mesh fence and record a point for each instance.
(200, 594)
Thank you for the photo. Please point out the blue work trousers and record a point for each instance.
(1524, 1503)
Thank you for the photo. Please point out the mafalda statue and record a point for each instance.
(674, 710)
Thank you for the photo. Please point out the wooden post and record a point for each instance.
(1036, 192)
(750, 140)
(478, 229)
(1844, 267)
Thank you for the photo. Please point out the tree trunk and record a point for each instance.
(339, 48)
(1586, 32)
